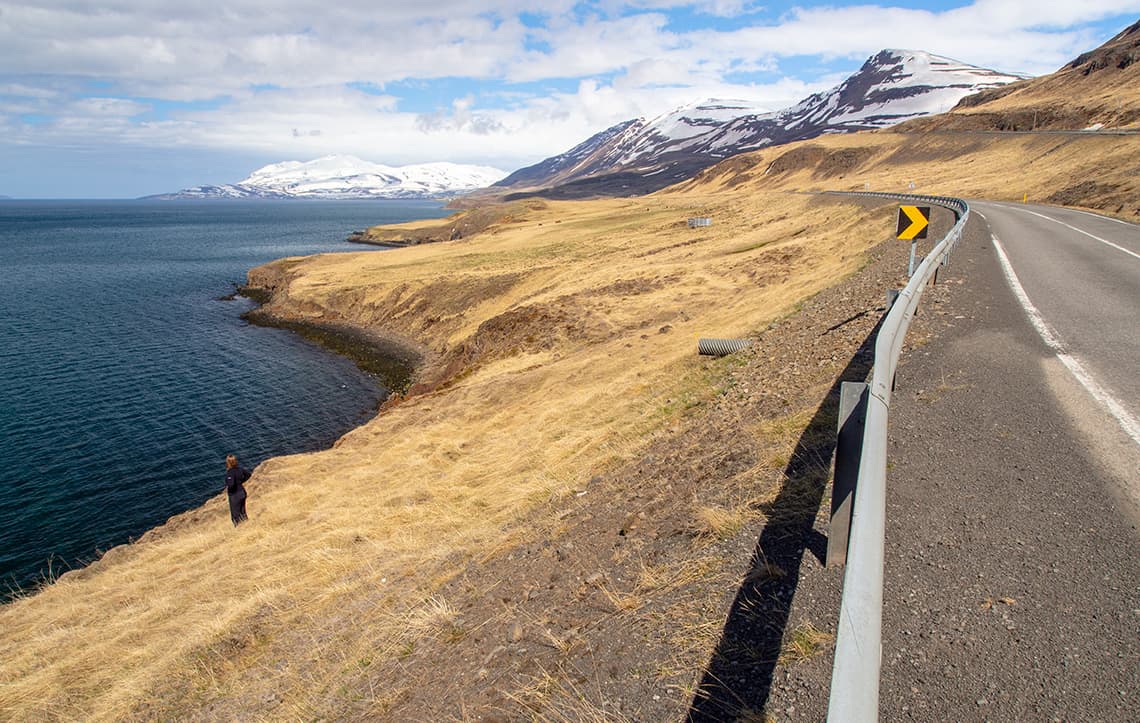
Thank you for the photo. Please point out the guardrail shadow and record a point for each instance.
(737, 682)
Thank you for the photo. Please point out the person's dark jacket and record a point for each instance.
(235, 478)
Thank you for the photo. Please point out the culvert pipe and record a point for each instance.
(721, 347)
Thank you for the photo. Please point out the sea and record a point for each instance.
(127, 373)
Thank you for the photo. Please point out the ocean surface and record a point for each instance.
(125, 379)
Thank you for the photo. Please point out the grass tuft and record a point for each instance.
(804, 642)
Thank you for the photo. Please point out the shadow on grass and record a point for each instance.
(738, 679)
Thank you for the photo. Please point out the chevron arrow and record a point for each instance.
(913, 221)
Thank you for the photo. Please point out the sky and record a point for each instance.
(124, 98)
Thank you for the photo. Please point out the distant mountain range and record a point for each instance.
(348, 177)
(639, 156)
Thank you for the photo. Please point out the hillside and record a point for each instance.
(560, 348)
(552, 524)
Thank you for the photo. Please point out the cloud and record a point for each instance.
(460, 119)
(1006, 41)
(503, 83)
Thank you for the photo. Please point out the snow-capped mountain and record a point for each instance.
(632, 141)
(640, 156)
(340, 177)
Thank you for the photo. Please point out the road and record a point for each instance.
(1012, 551)
(1012, 586)
(1078, 276)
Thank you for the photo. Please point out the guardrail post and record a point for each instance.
(848, 446)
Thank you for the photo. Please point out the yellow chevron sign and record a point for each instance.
(913, 221)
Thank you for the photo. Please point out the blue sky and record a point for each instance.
(123, 98)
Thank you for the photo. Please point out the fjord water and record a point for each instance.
(125, 379)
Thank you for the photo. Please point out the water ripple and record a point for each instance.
(126, 382)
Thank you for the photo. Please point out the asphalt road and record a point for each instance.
(1012, 585)
(1012, 552)
(1082, 274)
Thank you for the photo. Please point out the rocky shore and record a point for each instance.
(362, 237)
(392, 362)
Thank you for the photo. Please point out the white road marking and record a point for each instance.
(1106, 242)
(1100, 394)
(1122, 222)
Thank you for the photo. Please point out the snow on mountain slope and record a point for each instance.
(697, 119)
(684, 127)
(894, 86)
(579, 161)
(890, 87)
(350, 177)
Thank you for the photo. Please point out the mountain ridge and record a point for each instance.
(640, 156)
(347, 177)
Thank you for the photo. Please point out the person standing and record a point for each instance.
(235, 489)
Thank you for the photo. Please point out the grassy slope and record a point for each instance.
(564, 338)
(1100, 172)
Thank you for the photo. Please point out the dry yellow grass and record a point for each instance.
(578, 323)
(345, 547)
(1036, 167)
(804, 642)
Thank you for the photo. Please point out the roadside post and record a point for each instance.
(848, 446)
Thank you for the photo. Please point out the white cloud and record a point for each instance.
(1031, 36)
(460, 119)
(281, 78)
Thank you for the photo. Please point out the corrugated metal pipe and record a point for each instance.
(721, 347)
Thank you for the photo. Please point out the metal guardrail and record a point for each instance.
(858, 654)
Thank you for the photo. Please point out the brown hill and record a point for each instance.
(1097, 171)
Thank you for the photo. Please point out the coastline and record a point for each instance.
(361, 237)
(583, 503)
(157, 419)
(395, 364)
(558, 395)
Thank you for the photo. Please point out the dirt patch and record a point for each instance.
(731, 172)
(414, 307)
(634, 287)
(933, 148)
(797, 159)
(822, 162)
(663, 249)
(535, 327)
(1100, 196)
(841, 162)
